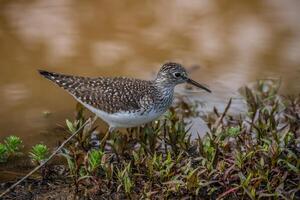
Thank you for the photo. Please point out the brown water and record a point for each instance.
(234, 42)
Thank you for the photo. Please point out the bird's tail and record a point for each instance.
(67, 82)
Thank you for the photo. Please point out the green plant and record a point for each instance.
(176, 133)
(94, 159)
(124, 179)
(3, 153)
(13, 144)
(80, 159)
(11, 147)
(39, 153)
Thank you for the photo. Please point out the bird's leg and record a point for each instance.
(103, 141)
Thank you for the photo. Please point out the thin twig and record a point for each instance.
(50, 157)
(224, 113)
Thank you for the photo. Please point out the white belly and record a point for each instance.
(124, 119)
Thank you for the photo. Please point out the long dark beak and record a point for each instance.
(190, 81)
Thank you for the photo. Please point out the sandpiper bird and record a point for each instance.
(125, 102)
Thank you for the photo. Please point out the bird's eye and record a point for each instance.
(177, 74)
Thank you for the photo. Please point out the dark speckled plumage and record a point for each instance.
(113, 95)
(108, 94)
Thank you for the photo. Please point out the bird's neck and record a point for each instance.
(167, 91)
(165, 88)
(163, 83)
(166, 95)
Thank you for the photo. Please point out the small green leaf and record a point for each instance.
(39, 153)
(3, 153)
(70, 126)
(94, 159)
(13, 144)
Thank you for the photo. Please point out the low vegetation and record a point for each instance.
(11, 147)
(254, 155)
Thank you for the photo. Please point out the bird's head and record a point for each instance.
(172, 74)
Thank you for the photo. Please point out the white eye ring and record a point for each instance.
(177, 74)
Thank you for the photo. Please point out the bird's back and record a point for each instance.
(111, 95)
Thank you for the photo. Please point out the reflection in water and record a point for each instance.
(235, 44)
(46, 22)
(13, 94)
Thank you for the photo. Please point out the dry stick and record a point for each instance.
(224, 113)
(50, 157)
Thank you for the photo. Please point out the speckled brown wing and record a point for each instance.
(107, 94)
